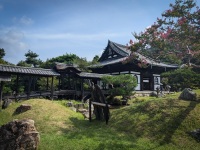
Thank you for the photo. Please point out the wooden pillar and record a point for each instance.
(47, 85)
(106, 113)
(59, 85)
(152, 83)
(82, 89)
(68, 80)
(29, 87)
(52, 88)
(17, 88)
(1, 93)
(75, 87)
(34, 82)
(141, 81)
(17, 85)
(62, 82)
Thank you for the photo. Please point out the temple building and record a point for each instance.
(114, 61)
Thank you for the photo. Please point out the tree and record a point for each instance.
(66, 58)
(2, 53)
(95, 59)
(120, 85)
(23, 63)
(174, 38)
(31, 58)
(82, 64)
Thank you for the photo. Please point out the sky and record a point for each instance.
(52, 28)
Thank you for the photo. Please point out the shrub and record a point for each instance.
(182, 78)
(122, 85)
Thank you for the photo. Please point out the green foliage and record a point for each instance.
(23, 64)
(31, 58)
(42, 83)
(82, 64)
(182, 78)
(175, 37)
(95, 59)
(66, 58)
(2, 53)
(122, 84)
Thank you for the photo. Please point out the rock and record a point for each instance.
(153, 94)
(86, 115)
(19, 135)
(82, 110)
(6, 103)
(195, 134)
(69, 104)
(22, 108)
(188, 94)
(79, 106)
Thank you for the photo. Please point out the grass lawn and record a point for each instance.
(147, 123)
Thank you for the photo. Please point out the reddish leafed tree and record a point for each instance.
(174, 38)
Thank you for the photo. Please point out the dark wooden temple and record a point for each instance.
(112, 61)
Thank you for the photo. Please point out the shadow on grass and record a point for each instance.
(97, 135)
(155, 120)
(175, 122)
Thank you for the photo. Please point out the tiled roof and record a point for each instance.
(123, 50)
(120, 49)
(62, 66)
(120, 60)
(27, 70)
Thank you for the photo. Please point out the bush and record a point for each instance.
(181, 79)
(122, 85)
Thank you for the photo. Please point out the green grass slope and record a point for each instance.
(147, 123)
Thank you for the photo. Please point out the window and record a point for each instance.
(156, 80)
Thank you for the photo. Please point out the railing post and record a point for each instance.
(107, 113)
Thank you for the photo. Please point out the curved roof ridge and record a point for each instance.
(119, 49)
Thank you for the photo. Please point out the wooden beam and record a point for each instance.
(100, 104)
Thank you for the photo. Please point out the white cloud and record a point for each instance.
(12, 43)
(74, 36)
(26, 20)
(23, 20)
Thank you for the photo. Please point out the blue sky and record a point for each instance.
(83, 27)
